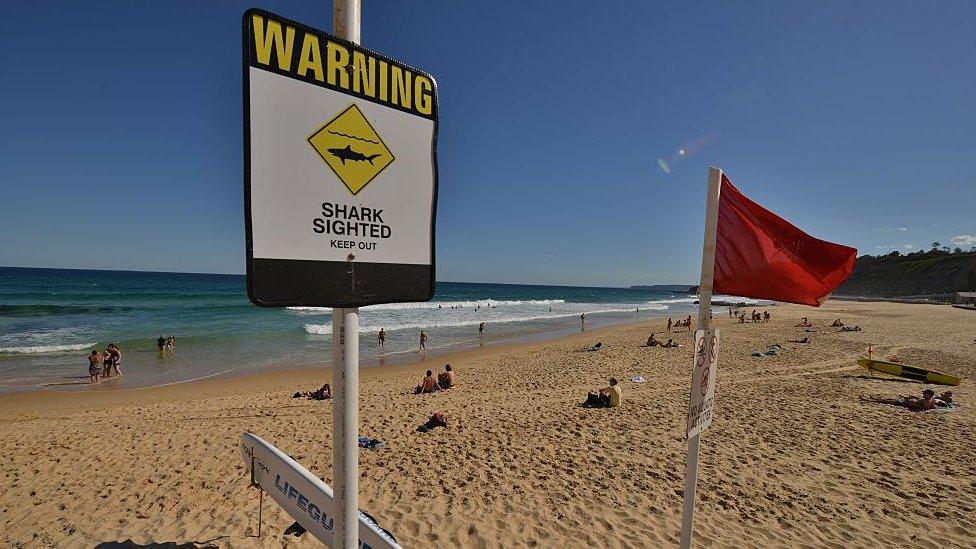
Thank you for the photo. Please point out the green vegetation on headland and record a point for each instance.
(937, 273)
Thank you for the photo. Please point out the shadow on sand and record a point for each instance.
(129, 544)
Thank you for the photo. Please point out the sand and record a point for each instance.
(793, 457)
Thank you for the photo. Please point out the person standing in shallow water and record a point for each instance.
(423, 341)
(382, 337)
(94, 365)
(481, 329)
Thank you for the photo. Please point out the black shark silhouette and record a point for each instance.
(349, 154)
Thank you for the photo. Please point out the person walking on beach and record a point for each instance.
(688, 322)
(382, 337)
(669, 325)
(93, 365)
(423, 341)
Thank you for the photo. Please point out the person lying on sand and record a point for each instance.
(428, 385)
(804, 340)
(597, 347)
(926, 402)
(323, 393)
(851, 329)
(445, 380)
(670, 343)
(608, 397)
(804, 324)
(837, 323)
(945, 400)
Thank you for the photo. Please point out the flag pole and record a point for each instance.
(345, 365)
(704, 323)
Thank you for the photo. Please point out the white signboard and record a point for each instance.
(703, 375)
(340, 170)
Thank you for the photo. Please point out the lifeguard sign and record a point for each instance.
(340, 170)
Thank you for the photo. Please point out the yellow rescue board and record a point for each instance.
(910, 372)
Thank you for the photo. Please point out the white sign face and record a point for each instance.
(340, 172)
(703, 376)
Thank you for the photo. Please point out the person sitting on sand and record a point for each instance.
(742, 318)
(670, 343)
(445, 380)
(323, 393)
(804, 323)
(428, 385)
(608, 397)
(836, 324)
(93, 365)
(612, 393)
(652, 341)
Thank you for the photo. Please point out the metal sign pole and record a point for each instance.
(704, 323)
(345, 407)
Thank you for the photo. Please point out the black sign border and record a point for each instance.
(350, 299)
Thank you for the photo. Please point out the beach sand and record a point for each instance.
(793, 457)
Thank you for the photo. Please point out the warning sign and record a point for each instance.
(340, 173)
(352, 148)
(703, 381)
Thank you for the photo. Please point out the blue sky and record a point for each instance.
(121, 142)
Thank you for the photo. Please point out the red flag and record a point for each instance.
(761, 255)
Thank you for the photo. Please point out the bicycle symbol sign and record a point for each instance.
(703, 381)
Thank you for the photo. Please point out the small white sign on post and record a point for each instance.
(703, 381)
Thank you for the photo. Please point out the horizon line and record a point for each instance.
(244, 274)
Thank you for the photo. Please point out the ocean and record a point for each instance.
(50, 319)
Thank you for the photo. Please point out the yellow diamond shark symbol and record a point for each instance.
(352, 148)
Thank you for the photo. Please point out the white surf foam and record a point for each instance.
(40, 349)
(527, 316)
(484, 303)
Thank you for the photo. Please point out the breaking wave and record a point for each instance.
(41, 349)
(326, 329)
(484, 303)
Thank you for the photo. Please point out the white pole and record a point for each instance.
(704, 322)
(345, 431)
(346, 19)
(345, 366)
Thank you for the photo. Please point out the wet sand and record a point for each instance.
(793, 458)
